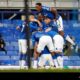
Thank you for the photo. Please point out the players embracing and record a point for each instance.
(47, 38)
(52, 24)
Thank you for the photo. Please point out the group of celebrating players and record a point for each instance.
(47, 38)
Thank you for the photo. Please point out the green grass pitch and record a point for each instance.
(43, 70)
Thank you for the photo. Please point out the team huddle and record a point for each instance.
(47, 38)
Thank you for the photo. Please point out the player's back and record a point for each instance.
(39, 34)
(52, 32)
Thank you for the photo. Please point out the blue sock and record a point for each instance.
(24, 56)
(58, 54)
(54, 56)
(21, 56)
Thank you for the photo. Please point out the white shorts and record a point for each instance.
(43, 42)
(22, 46)
(58, 43)
(60, 24)
(44, 58)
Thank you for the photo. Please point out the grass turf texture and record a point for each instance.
(43, 70)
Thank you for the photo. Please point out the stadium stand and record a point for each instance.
(9, 35)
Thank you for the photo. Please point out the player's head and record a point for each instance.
(38, 6)
(47, 20)
(31, 17)
(40, 17)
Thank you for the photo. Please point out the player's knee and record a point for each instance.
(59, 50)
(39, 50)
(31, 45)
(24, 52)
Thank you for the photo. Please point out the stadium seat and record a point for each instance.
(16, 62)
(14, 43)
(7, 62)
(74, 58)
(4, 57)
(14, 57)
(65, 57)
(2, 53)
(16, 48)
(12, 53)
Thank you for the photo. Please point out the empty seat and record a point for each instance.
(2, 53)
(74, 58)
(14, 43)
(15, 57)
(65, 58)
(4, 58)
(16, 63)
(8, 62)
(11, 48)
(12, 53)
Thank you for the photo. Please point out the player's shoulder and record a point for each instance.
(46, 8)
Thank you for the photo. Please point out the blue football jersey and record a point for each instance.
(46, 12)
(54, 26)
(51, 33)
(33, 26)
(53, 30)
(22, 30)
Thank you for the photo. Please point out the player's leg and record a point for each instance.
(50, 45)
(42, 43)
(51, 48)
(45, 60)
(49, 60)
(38, 49)
(59, 43)
(59, 59)
(23, 50)
(61, 29)
(19, 43)
(41, 62)
(36, 55)
(60, 24)
(67, 38)
(45, 41)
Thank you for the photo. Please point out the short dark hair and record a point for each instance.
(39, 4)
